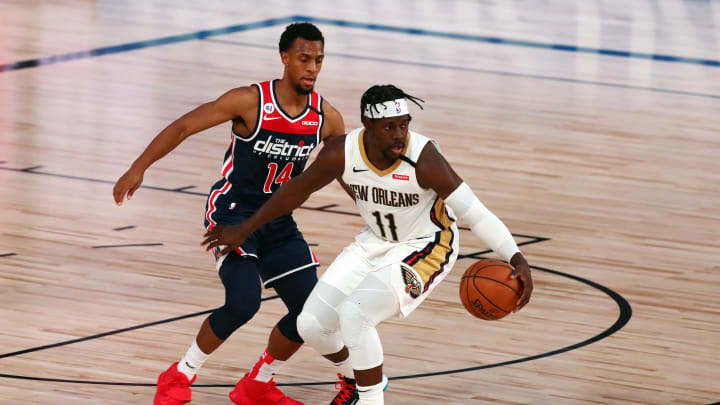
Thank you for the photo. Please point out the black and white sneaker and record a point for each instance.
(348, 394)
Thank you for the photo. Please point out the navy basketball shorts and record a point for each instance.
(278, 247)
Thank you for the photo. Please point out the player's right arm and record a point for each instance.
(434, 172)
(236, 103)
(329, 165)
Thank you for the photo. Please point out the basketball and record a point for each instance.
(487, 291)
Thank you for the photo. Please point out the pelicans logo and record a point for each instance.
(412, 284)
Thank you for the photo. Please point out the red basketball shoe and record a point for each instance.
(173, 387)
(249, 391)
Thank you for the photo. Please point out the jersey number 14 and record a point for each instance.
(282, 178)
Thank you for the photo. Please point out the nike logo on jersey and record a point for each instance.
(266, 118)
(355, 170)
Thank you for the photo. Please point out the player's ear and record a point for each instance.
(367, 122)
(285, 58)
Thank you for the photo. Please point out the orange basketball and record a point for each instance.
(487, 291)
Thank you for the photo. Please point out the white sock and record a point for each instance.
(345, 368)
(191, 362)
(372, 395)
(266, 367)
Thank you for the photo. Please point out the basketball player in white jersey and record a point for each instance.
(409, 197)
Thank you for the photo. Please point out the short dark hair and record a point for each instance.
(303, 30)
(381, 93)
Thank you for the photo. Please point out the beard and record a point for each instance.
(390, 155)
(304, 92)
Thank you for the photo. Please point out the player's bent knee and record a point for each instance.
(243, 308)
(308, 327)
(288, 327)
(311, 329)
(324, 340)
(224, 320)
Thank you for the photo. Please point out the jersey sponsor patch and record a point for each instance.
(310, 122)
(413, 286)
(401, 177)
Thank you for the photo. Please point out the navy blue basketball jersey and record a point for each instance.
(276, 151)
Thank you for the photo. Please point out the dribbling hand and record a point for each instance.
(521, 270)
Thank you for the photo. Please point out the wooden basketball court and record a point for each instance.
(590, 128)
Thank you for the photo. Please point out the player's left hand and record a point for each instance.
(521, 270)
(228, 238)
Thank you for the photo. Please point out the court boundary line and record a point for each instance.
(232, 29)
(486, 71)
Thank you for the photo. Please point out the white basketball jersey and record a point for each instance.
(391, 201)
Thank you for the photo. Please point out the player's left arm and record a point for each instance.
(328, 165)
(334, 124)
(434, 172)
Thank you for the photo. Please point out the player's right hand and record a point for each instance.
(227, 238)
(127, 184)
(521, 270)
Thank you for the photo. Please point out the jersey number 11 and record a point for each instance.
(391, 225)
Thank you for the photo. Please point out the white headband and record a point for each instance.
(392, 108)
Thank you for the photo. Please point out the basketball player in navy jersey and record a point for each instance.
(409, 197)
(275, 126)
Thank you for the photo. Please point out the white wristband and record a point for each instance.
(483, 223)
